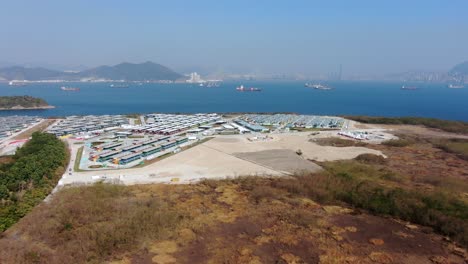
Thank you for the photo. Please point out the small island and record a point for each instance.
(23, 103)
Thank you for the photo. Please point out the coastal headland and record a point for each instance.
(23, 103)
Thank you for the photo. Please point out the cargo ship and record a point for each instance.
(251, 89)
(318, 86)
(70, 89)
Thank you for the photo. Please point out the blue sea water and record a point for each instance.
(348, 98)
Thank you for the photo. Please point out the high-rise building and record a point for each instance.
(195, 78)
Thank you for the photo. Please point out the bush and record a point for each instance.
(366, 187)
(338, 142)
(445, 125)
(455, 146)
(397, 142)
(371, 159)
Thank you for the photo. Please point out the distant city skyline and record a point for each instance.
(258, 37)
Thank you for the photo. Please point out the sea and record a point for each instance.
(368, 98)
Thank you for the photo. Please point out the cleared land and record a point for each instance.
(293, 141)
(280, 160)
(39, 128)
(220, 158)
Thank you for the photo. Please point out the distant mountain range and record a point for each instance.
(147, 71)
(460, 69)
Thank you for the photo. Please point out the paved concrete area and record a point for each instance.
(280, 160)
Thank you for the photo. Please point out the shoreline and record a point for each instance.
(28, 108)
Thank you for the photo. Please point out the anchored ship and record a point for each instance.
(119, 85)
(251, 89)
(456, 86)
(318, 86)
(15, 83)
(71, 89)
(405, 87)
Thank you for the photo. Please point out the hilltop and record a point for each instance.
(147, 71)
(23, 73)
(460, 69)
(410, 207)
(22, 102)
(132, 72)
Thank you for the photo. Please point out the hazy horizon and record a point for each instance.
(303, 37)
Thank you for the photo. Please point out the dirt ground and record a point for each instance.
(293, 141)
(39, 127)
(280, 160)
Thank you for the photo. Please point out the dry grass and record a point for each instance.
(338, 142)
(456, 146)
(242, 220)
(79, 155)
(398, 142)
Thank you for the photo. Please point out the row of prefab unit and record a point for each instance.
(75, 124)
(12, 124)
(290, 120)
(123, 154)
(167, 124)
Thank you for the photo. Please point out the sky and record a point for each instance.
(250, 36)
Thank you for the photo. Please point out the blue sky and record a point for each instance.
(309, 37)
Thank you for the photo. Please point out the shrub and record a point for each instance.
(455, 146)
(445, 125)
(371, 158)
(338, 142)
(397, 142)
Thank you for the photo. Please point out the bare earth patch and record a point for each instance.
(281, 160)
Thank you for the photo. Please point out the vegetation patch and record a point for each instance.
(97, 143)
(370, 188)
(29, 176)
(456, 146)
(371, 158)
(310, 129)
(13, 102)
(267, 220)
(136, 136)
(444, 125)
(398, 142)
(79, 155)
(338, 142)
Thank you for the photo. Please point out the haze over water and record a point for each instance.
(348, 98)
